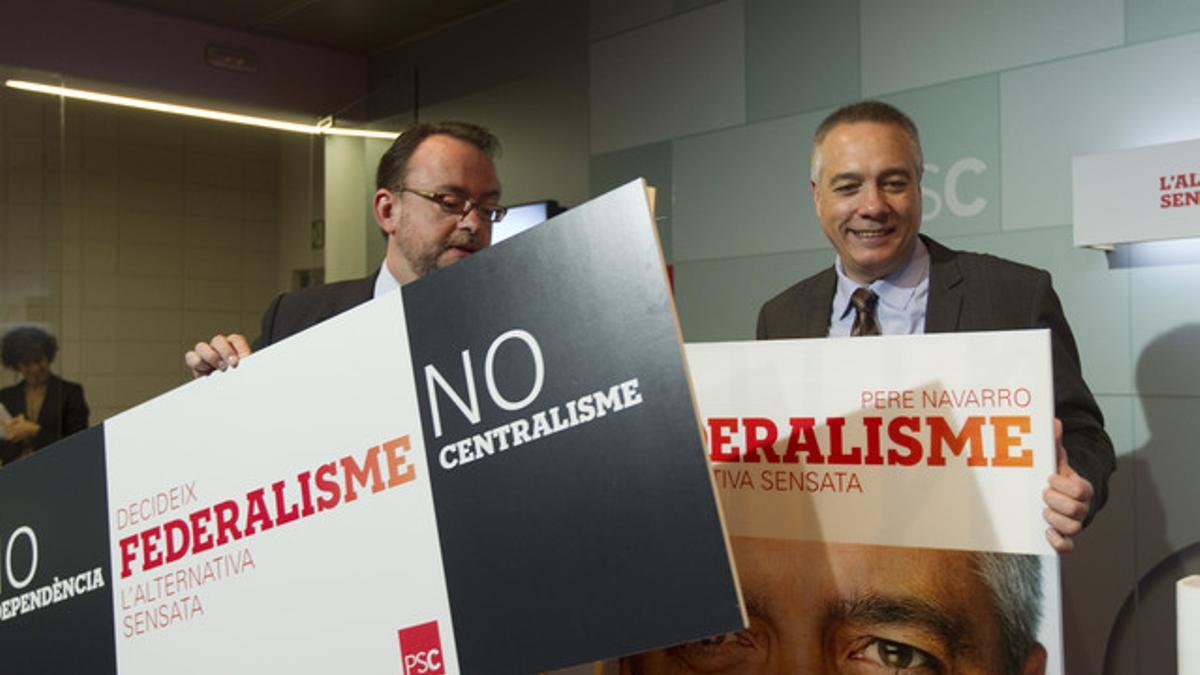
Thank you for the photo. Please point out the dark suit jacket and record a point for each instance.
(292, 312)
(64, 411)
(977, 292)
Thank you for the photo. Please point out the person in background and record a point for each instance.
(42, 408)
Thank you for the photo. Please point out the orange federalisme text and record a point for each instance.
(328, 486)
(980, 441)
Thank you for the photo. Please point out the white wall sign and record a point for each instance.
(1143, 194)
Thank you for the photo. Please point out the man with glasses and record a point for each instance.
(436, 199)
(888, 279)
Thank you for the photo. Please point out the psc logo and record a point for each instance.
(421, 650)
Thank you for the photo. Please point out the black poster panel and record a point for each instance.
(575, 510)
(56, 604)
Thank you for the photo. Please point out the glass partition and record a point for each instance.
(131, 235)
(34, 192)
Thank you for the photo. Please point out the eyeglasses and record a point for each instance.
(457, 205)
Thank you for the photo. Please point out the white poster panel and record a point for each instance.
(883, 498)
(1142, 194)
(852, 442)
(278, 517)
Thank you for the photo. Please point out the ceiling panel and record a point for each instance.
(360, 26)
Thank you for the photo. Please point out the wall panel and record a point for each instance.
(913, 44)
(677, 77)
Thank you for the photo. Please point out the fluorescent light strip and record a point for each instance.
(360, 133)
(202, 113)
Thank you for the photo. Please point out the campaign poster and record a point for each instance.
(497, 469)
(883, 498)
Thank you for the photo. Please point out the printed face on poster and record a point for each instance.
(883, 498)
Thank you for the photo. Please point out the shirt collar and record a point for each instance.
(896, 290)
(384, 281)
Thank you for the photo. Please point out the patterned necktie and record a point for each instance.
(864, 301)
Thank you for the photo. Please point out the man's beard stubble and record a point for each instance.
(430, 262)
